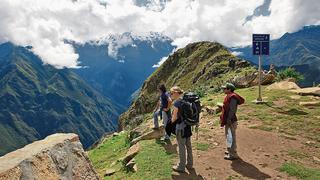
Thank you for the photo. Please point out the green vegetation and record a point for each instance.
(109, 152)
(281, 113)
(153, 161)
(202, 146)
(289, 73)
(300, 171)
(201, 67)
(297, 154)
(38, 100)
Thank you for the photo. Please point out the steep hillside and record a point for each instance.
(201, 67)
(119, 77)
(276, 140)
(294, 49)
(37, 100)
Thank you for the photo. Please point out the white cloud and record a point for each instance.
(237, 53)
(47, 24)
(162, 60)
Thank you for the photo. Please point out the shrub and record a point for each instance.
(289, 73)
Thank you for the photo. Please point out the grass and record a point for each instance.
(109, 152)
(300, 171)
(153, 161)
(202, 146)
(297, 154)
(280, 112)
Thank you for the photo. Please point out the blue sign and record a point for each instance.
(260, 44)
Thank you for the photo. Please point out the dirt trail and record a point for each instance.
(261, 153)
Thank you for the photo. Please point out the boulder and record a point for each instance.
(59, 156)
(252, 79)
(312, 91)
(284, 85)
(132, 152)
(152, 134)
(311, 103)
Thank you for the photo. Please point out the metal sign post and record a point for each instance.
(260, 46)
(260, 93)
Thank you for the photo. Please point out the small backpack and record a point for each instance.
(190, 108)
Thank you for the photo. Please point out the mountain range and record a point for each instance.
(300, 49)
(119, 77)
(37, 100)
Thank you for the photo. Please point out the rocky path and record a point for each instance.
(261, 154)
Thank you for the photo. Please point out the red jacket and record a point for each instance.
(225, 107)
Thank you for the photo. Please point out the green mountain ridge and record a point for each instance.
(298, 49)
(37, 100)
(201, 67)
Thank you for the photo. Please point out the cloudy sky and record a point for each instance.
(47, 25)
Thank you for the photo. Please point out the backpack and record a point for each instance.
(190, 109)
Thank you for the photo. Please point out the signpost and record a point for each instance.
(260, 46)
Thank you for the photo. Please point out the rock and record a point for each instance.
(212, 110)
(115, 134)
(152, 134)
(130, 165)
(132, 152)
(295, 97)
(215, 144)
(135, 168)
(310, 142)
(253, 80)
(109, 172)
(283, 85)
(317, 160)
(311, 103)
(312, 91)
(59, 156)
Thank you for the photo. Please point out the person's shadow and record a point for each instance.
(185, 176)
(168, 146)
(172, 149)
(248, 170)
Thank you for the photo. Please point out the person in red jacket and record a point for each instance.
(228, 118)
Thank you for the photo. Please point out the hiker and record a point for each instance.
(156, 113)
(164, 112)
(183, 132)
(228, 119)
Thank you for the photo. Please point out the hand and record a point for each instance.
(165, 109)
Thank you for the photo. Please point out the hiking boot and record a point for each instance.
(177, 169)
(189, 167)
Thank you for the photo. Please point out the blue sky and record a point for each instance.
(47, 24)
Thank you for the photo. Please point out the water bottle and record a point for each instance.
(229, 138)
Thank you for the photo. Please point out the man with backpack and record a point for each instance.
(186, 110)
(228, 119)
